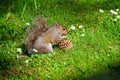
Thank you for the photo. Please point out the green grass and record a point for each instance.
(96, 56)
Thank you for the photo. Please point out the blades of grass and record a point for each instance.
(8, 15)
(24, 9)
(35, 2)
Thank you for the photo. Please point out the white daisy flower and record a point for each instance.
(117, 9)
(19, 50)
(35, 50)
(113, 12)
(81, 26)
(72, 27)
(101, 11)
(82, 35)
(28, 24)
(115, 20)
(26, 61)
(118, 17)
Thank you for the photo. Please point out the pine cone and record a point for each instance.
(65, 44)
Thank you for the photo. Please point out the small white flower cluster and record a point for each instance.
(111, 11)
(74, 27)
(101, 11)
(80, 27)
(26, 61)
(82, 35)
(117, 9)
(114, 12)
(118, 16)
(28, 24)
(19, 50)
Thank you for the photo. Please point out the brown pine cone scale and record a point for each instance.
(65, 44)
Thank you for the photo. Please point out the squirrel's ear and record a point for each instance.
(57, 25)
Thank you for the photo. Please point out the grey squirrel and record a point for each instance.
(42, 38)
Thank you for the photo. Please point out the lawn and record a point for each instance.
(96, 40)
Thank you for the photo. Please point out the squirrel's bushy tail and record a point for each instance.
(38, 27)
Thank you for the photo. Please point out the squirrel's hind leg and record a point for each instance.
(47, 48)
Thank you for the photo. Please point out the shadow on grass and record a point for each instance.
(9, 66)
(113, 73)
(5, 67)
(5, 63)
(77, 6)
(9, 60)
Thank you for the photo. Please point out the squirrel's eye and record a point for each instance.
(63, 29)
